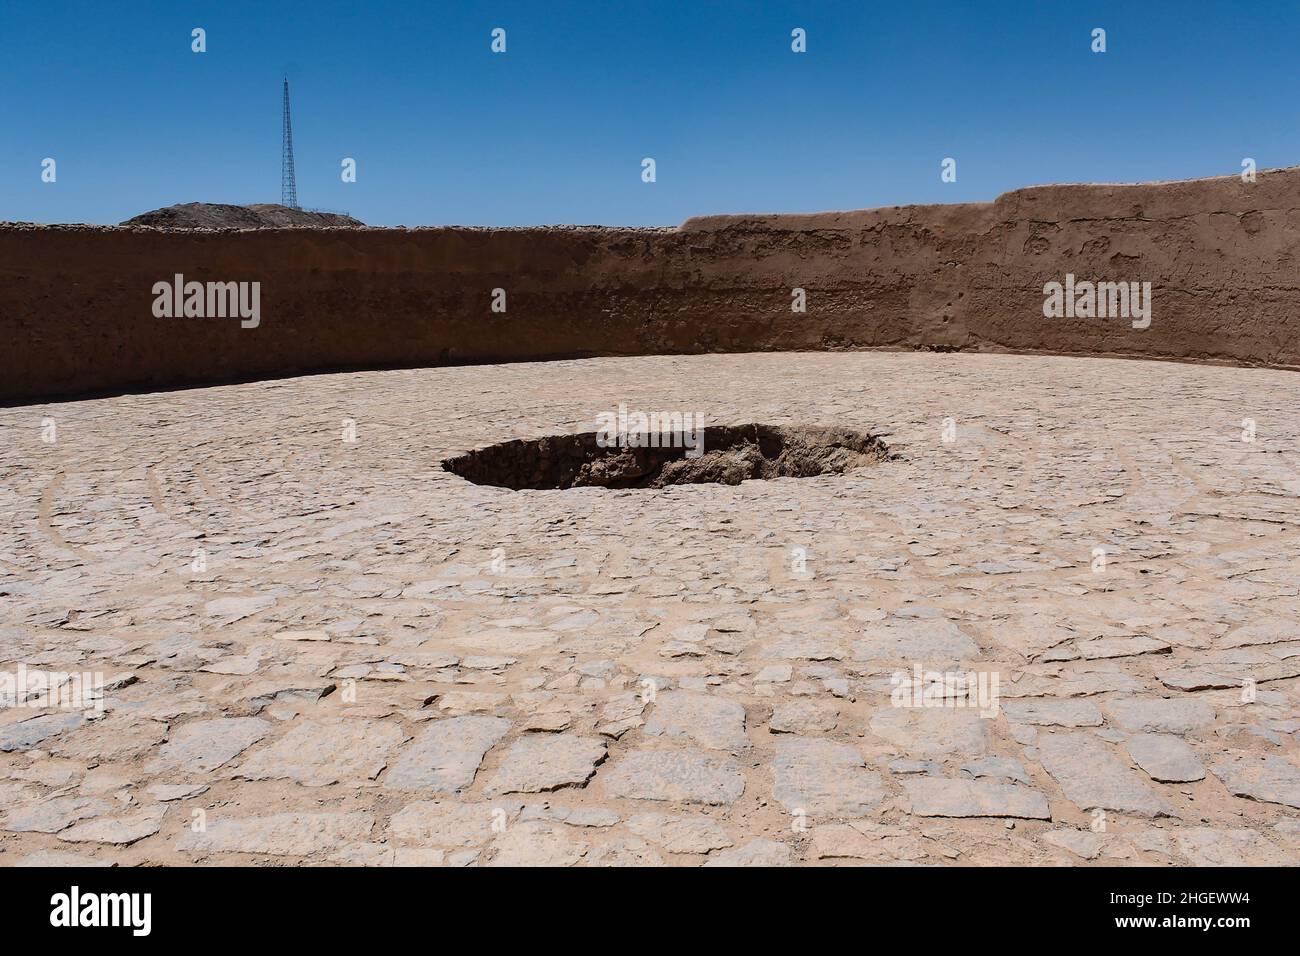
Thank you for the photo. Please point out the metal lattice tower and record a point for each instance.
(288, 179)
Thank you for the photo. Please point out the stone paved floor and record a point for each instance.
(327, 651)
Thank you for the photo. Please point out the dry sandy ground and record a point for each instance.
(329, 651)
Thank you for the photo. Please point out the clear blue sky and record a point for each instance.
(554, 130)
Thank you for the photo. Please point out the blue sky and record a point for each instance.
(554, 130)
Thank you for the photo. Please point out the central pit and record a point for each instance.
(727, 455)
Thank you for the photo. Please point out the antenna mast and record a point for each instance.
(288, 180)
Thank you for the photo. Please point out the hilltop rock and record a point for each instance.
(208, 215)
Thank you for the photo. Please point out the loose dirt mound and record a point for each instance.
(727, 455)
(207, 215)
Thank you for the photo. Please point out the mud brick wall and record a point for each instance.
(76, 302)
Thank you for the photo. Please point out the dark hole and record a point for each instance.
(729, 454)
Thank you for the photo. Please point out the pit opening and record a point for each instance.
(728, 455)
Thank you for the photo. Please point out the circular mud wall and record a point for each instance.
(1218, 255)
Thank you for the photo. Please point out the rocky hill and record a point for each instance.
(208, 215)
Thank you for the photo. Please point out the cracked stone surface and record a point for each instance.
(805, 717)
(709, 720)
(328, 651)
(1075, 712)
(680, 834)
(818, 778)
(539, 762)
(1093, 777)
(933, 797)
(318, 753)
(205, 745)
(445, 756)
(931, 731)
(678, 775)
(1165, 757)
(1268, 778)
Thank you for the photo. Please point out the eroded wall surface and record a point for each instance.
(76, 302)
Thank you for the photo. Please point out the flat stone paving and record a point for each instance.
(329, 651)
